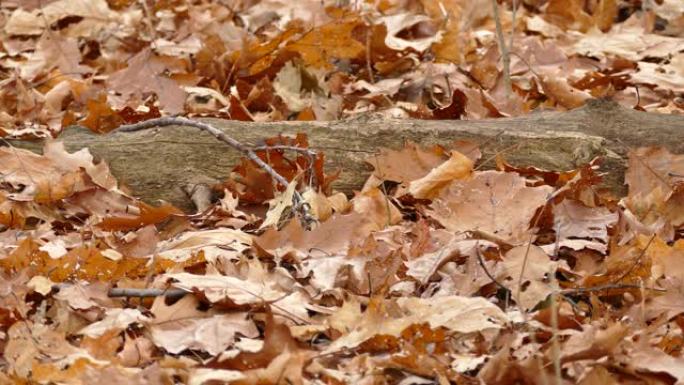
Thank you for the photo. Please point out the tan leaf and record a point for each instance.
(529, 270)
(458, 314)
(457, 167)
(496, 203)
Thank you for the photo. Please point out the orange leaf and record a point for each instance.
(149, 215)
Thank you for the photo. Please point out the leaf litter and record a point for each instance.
(435, 272)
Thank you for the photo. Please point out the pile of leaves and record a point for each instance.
(435, 272)
(102, 63)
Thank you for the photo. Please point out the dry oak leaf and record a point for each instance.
(656, 361)
(431, 185)
(376, 207)
(213, 243)
(384, 318)
(413, 162)
(496, 203)
(333, 236)
(574, 220)
(530, 266)
(404, 21)
(655, 178)
(181, 326)
(425, 266)
(53, 51)
(664, 77)
(93, 16)
(26, 342)
(593, 342)
(410, 163)
(53, 175)
(628, 264)
(668, 305)
(144, 74)
(279, 360)
(115, 319)
(563, 93)
(222, 288)
(323, 44)
(630, 41)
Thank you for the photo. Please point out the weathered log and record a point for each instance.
(156, 163)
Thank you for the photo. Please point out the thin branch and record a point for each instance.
(489, 275)
(638, 260)
(310, 154)
(612, 286)
(555, 343)
(514, 14)
(505, 56)
(145, 293)
(369, 58)
(298, 201)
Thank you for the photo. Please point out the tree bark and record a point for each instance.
(156, 163)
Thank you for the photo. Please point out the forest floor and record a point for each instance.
(436, 271)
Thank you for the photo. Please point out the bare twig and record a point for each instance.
(613, 286)
(638, 260)
(513, 15)
(489, 275)
(298, 201)
(555, 343)
(505, 56)
(310, 154)
(145, 293)
(369, 58)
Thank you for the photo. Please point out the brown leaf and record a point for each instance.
(492, 202)
(144, 74)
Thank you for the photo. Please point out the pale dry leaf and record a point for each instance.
(40, 284)
(321, 206)
(217, 288)
(333, 236)
(408, 164)
(145, 73)
(212, 243)
(656, 361)
(376, 207)
(401, 21)
(573, 220)
(278, 206)
(201, 376)
(288, 85)
(630, 42)
(535, 267)
(493, 202)
(457, 314)
(652, 176)
(56, 169)
(593, 342)
(115, 319)
(212, 334)
(431, 185)
(54, 51)
(563, 93)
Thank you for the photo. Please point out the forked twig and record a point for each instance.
(299, 203)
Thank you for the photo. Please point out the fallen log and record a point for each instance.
(156, 163)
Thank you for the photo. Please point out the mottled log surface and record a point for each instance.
(156, 163)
